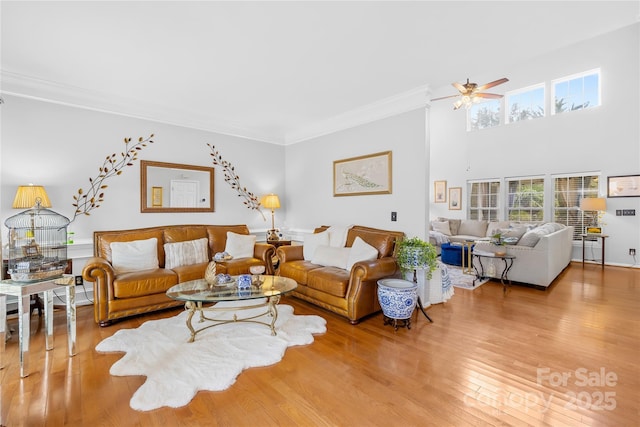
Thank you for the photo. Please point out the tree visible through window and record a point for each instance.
(577, 92)
(526, 104)
(484, 115)
(568, 190)
(525, 198)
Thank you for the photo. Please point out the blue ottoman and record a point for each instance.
(452, 254)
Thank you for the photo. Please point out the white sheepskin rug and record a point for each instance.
(176, 369)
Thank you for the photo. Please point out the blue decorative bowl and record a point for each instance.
(397, 297)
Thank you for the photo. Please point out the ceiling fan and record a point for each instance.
(471, 92)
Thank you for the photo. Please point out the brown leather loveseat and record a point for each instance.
(353, 293)
(122, 294)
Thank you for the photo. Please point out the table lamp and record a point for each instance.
(598, 204)
(271, 201)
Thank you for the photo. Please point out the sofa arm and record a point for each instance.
(101, 272)
(265, 252)
(373, 270)
(290, 253)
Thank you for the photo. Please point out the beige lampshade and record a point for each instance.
(270, 201)
(593, 204)
(27, 197)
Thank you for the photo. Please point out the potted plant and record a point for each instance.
(414, 254)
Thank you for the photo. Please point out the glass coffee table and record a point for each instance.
(198, 292)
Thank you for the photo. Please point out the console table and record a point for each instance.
(24, 290)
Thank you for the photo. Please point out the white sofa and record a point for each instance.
(542, 251)
(538, 265)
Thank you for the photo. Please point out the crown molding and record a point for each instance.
(387, 107)
(48, 91)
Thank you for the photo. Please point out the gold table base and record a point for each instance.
(271, 304)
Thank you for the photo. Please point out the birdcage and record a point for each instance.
(37, 245)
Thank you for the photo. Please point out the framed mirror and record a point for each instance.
(172, 187)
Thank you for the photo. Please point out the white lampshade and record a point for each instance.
(593, 204)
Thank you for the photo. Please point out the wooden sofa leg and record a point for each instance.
(354, 322)
(104, 323)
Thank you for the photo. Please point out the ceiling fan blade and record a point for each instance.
(460, 87)
(487, 95)
(492, 84)
(445, 97)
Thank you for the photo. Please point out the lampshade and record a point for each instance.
(270, 201)
(28, 196)
(593, 204)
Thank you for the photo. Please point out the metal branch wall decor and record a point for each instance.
(85, 202)
(230, 177)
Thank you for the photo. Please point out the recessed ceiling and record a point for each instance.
(275, 71)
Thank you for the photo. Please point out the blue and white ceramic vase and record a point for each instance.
(397, 297)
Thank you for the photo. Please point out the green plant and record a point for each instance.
(416, 253)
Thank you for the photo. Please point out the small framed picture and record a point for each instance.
(623, 186)
(593, 230)
(440, 191)
(156, 196)
(455, 198)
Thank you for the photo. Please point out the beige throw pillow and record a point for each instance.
(441, 227)
(361, 251)
(311, 243)
(240, 245)
(186, 253)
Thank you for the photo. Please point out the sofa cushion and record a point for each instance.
(338, 235)
(141, 283)
(516, 232)
(135, 255)
(329, 256)
(495, 227)
(186, 253)
(454, 224)
(311, 243)
(360, 251)
(331, 280)
(384, 242)
(532, 237)
(298, 270)
(441, 227)
(240, 245)
(473, 227)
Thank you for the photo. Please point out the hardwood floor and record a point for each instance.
(488, 359)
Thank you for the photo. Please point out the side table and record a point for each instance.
(593, 237)
(508, 263)
(24, 290)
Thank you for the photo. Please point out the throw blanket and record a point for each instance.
(438, 237)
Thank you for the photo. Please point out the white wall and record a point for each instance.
(60, 147)
(309, 177)
(604, 139)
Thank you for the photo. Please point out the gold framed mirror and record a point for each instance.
(173, 187)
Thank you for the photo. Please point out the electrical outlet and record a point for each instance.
(394, 216)
(632, 252)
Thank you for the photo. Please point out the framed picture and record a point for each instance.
(156, 196)
(357, 176)
(440, 191)
(623, 186)
(455, 198)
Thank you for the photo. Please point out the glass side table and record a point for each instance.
(24, 290)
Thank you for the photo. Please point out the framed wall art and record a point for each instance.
(357, 176)
(440, 191)
(623, 186)
(455, 198)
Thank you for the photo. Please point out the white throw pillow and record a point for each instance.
(240, 245)
(361, 251)
(531, 238)
(186, 253)
(312, 241)
(495, 227)
(441, 227)
(338, 235)
(330, 256)
(135, 255)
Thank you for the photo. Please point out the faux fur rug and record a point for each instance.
(176, 370)
(464, 281)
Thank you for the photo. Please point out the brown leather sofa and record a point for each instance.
(352, 294)
(131, 293)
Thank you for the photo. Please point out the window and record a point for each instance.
(525, 104)
(484, 115)
(525, 199)
(576, 92)
(568, 190)
(483, 200)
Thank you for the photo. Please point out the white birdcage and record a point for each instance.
(37, 244)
